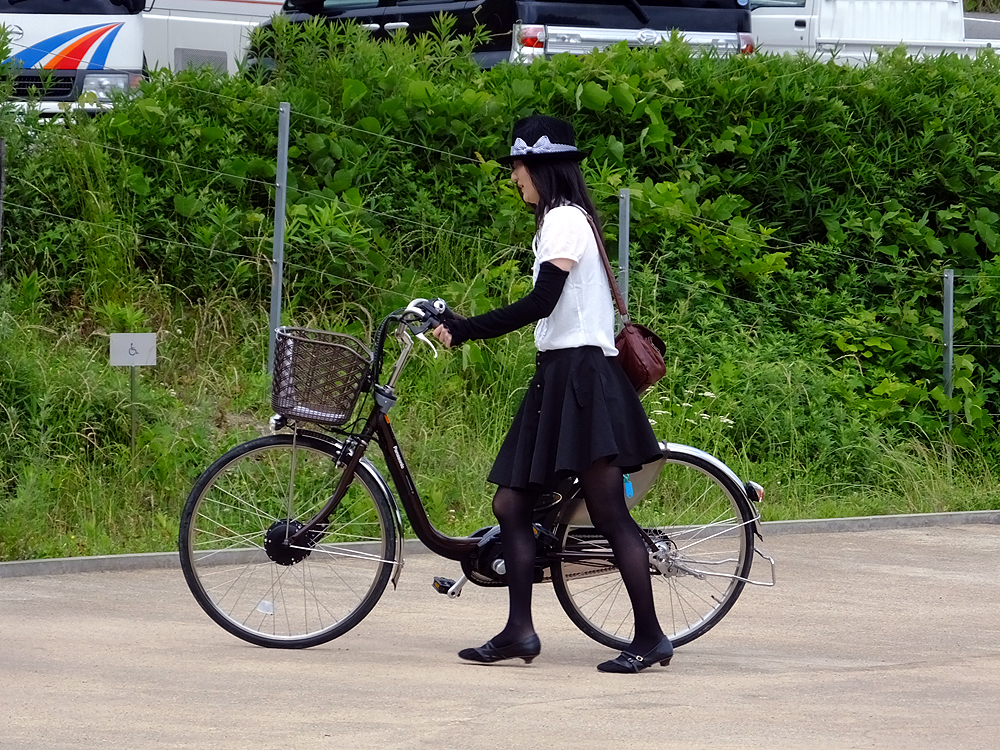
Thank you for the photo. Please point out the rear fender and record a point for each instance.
(574, 511)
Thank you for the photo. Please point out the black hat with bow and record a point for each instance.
(541, 138)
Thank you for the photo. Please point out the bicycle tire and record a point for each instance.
(706, 524)
(276, 596)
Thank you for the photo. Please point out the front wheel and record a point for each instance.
(245, 575)
(700, 529)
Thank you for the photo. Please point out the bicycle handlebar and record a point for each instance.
(418, 317)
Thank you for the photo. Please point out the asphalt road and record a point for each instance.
(873, 639)
(982, 26)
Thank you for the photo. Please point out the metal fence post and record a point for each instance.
(278, 255)
(949, 339)
(3, 184)
(624, 205)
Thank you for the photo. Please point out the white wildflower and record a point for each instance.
(685, 404)
(708, 394)
(690, 420)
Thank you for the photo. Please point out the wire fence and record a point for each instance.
(720, 227)
(703, 288)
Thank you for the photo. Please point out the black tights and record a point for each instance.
(603, 488)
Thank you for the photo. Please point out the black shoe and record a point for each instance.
(527, 649)
(627, 663)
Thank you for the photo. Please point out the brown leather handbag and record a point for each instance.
(640, 351)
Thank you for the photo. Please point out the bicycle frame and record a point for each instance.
(379, 427)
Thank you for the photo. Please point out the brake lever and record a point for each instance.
(423, 337)
(427, 321)
(414, 308)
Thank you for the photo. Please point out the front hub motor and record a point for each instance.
(277, 543)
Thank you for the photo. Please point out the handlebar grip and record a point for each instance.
(436, 310)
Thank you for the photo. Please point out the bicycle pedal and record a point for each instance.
(544, 536)
(442, 585)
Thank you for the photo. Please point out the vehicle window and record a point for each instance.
(64, 7)
(777, 4)
(330, 4)
(316, 7)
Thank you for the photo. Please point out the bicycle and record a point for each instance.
(289, 540)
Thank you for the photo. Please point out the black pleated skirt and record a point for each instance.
(580, 407)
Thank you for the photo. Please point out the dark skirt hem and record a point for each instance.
(580, 407)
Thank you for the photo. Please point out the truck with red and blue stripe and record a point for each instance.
(77, 53)
(72, 53)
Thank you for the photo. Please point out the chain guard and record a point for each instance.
(478, 568)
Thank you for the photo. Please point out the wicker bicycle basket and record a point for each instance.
(318, 375)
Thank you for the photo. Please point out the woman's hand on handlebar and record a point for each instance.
(442, 334)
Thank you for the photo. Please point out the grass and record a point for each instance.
(70, 484)
(783, 373)
(799, 371)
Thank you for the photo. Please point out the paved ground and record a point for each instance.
(874, 639)
(982, 26)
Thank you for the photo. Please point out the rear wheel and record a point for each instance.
(242, 570)
(701, 529)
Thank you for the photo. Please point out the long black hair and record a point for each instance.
(558, 182)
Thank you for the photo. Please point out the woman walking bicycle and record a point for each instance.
(289, 540)
(580, 416)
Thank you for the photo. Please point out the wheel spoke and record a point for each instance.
(704, 550)
(240, 566)
(350, 554)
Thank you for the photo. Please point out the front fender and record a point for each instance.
(368, 469)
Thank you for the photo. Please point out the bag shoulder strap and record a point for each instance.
(612, 281)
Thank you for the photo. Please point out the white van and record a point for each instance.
(61, 50)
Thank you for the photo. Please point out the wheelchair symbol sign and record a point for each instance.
(133, 349)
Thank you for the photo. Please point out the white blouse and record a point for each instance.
(584, 314)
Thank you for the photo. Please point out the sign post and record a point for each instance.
(133, 350)
(624, 215)
(949, 351)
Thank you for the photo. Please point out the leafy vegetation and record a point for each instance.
(982, 6)
(791, 222)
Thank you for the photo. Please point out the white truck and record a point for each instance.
(62, 50)
(852, 30)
